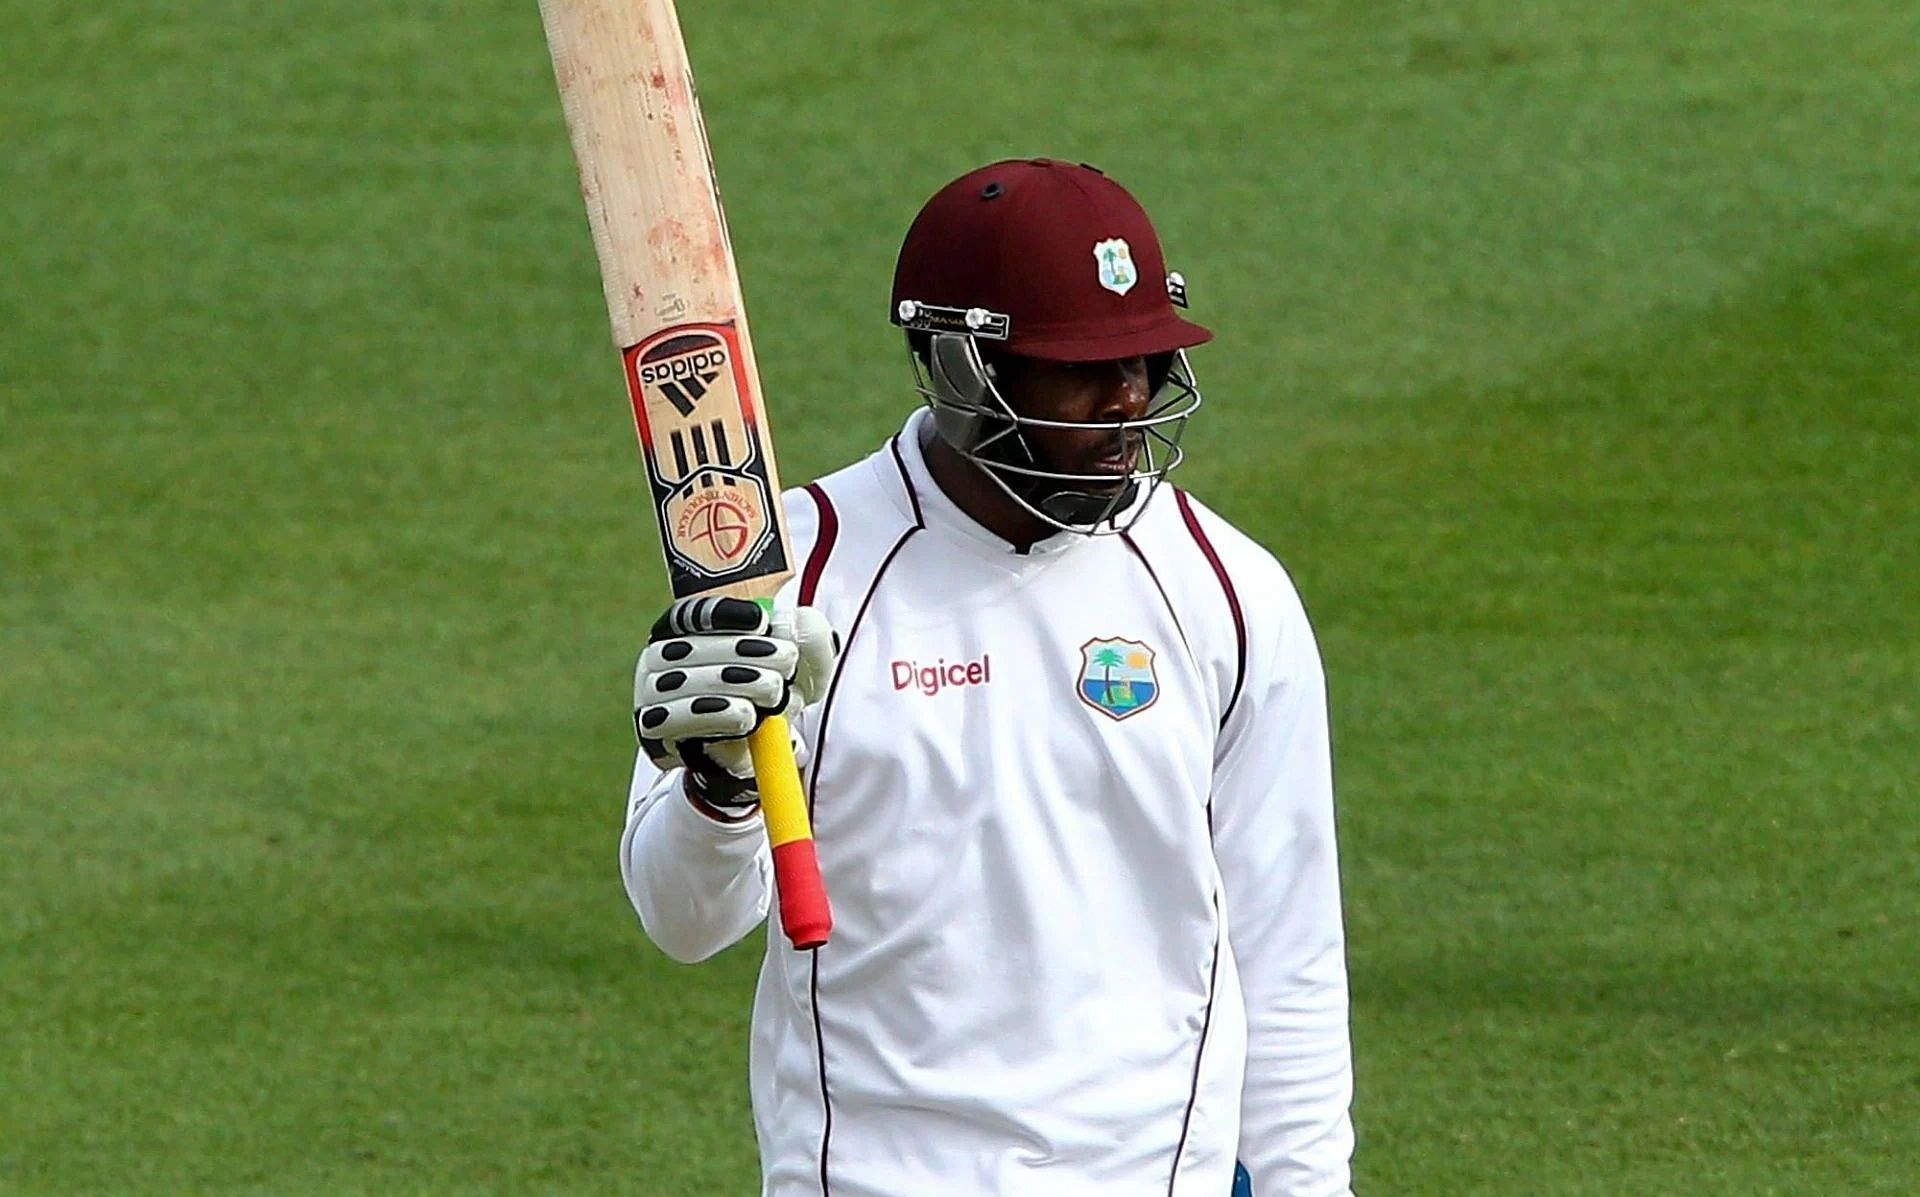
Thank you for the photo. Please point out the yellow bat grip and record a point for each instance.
(805, 915)
(781, 798)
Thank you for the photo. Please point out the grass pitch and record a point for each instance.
(1567, 354)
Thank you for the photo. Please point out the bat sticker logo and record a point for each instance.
(683, 369)
(714, 524)
(703, 453)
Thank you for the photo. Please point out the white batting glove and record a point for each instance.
(712, 671)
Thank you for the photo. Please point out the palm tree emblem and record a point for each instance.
(1109, 659)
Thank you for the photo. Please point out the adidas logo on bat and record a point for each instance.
(683, 368)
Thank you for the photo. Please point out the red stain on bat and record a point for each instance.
(671, 238)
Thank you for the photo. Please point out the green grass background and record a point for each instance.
(1568, 353)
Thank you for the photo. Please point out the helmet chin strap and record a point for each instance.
(1086, 508)
(1050, 498)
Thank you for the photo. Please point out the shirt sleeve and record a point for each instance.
(698, 884)
(1274, 840)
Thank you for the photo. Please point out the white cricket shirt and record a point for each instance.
(1074, 811)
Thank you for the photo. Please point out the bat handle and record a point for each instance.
(804, 913)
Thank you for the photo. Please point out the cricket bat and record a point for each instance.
(674, 299)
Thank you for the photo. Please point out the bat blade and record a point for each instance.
(672, 291)
(674, 303)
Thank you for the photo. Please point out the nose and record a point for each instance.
(1125, 395)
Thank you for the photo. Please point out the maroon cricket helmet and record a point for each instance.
(1061, 251)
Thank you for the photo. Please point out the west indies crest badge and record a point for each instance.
(1116, 676)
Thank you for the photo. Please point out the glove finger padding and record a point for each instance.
(706, 655)
(701, 717)
(701, 616)
(764, 688)
(704, 734)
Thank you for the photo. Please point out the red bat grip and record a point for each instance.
(805, 915)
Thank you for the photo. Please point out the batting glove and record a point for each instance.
(712, 671)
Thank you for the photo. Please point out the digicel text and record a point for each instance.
(931, 679)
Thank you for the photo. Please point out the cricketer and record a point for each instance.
(1064, 731)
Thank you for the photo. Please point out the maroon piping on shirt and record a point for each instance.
(1233, 598)
(906, 481)
(822, 544)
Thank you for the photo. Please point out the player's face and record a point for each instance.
(1090, 393)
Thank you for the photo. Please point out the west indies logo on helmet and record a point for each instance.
(1039, 258)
